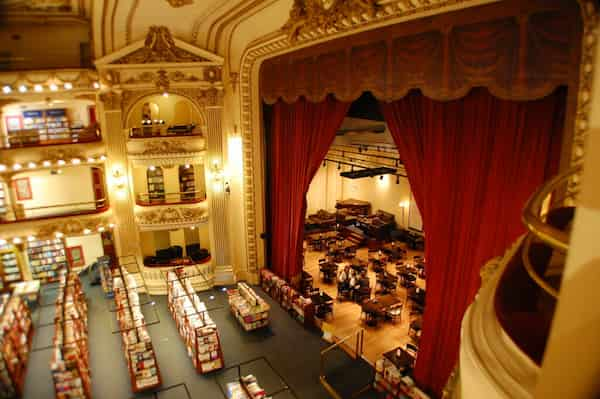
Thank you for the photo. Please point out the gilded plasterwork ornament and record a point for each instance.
(159, 46)
(327, 15)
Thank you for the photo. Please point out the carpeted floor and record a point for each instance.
(292, 351)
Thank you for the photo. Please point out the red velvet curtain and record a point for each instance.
(301, 134)
(472, 163)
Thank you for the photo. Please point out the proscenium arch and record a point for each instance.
(139, 96)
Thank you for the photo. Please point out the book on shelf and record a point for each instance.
(47, 259)
(139, 352)
(195, 325)
(10, 269)
(16, 332)
(251, 310)
(70, 360)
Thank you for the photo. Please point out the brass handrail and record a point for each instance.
(543, 284)
(533, 219)
(531, 213)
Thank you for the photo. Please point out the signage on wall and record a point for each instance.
(33, 114)
(22, 189)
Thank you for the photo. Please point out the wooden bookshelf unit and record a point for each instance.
(16, 333)
(195, 326)
(144, 372)
(70, 361)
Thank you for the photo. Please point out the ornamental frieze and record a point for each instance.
(170, 217)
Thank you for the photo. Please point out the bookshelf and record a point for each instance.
(187, 182)
(193, 322)
(392, 376)
(70, 359)
(10, 269)
(3, 202)
(144, 372)
(47, 259)
(16, 332)
(250, 310)
(156, 184)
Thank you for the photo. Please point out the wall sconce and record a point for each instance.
(119, 182)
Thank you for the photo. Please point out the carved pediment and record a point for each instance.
(159, 47)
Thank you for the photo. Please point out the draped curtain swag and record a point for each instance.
(498, 46)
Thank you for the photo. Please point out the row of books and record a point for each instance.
(143, 368)
(9, 267)
(251, 310)
(299, 307)
(16, 332)
(194, 323)
(70, 361)
(47, 259)
(246, 388)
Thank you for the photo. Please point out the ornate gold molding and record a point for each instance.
(328, 15)
(111, 100)
(71, 226)
(170, 217)
(164, 146)
(159, 46)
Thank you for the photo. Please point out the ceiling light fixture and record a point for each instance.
(23, 89)
(38, 88)
(6, 89)
(46, 163)
(96, 85)
(68, 86)
(75, 161)
(152, 168)
(58, 234)
(31, 165)
(102, 157)
(17, 240)
(87, 231)
(53, 87)
(2, 168)
(17, 166)
(31, 238)
(165, 94)
(91, 160)
(101, 229)
(61, 162)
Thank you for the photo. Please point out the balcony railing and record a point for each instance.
(19, 213)
(160, 130)
(37, 137)
(187, 197)
(527, 291)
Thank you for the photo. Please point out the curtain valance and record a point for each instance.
(518, 51)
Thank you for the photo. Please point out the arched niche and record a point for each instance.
(174, 109)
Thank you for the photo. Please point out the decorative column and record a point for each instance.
(217, 192)
(118, 182)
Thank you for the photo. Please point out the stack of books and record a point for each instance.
(251, 310)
